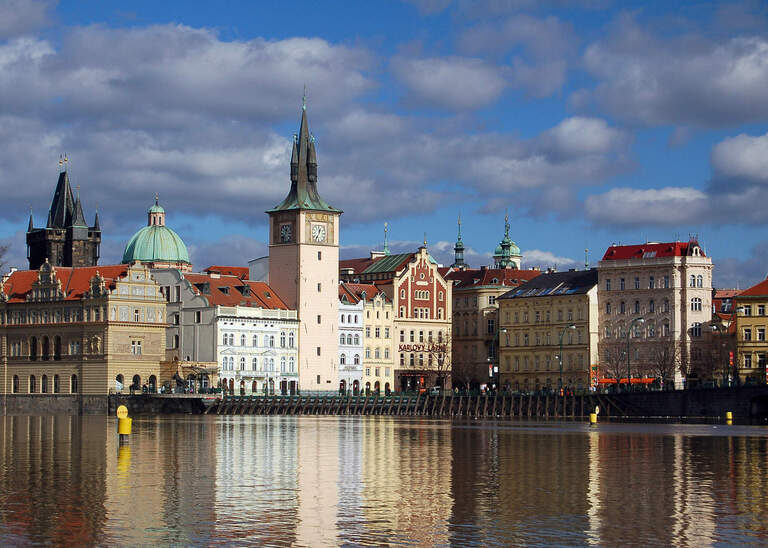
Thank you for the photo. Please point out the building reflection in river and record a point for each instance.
(319, 481)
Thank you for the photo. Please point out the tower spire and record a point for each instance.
(458, 250)
(31, 224)
(386, 242)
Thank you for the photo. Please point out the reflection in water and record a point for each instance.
(325, 481)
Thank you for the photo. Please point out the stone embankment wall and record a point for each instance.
(53, 404)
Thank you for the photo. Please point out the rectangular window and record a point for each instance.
(651, 282)
(621, 284)
(492, 300)
(637, 282)
(387, 372)
(377, 332)
(376, 371)
(421, 336)
(177, 293)
(747, 333)
(608, 284)
(175, 343)
(319, 287)
(747, 361)
(175, 319)
(367, 332)
(386, 332)
(318, 353)
(136, 348)
(402, 336)
(761, 333)
(412, 335)
(319, 258)
(198, 316)
(666, 282)
(747, 310)
(492, 326)
(137, 315)
(318, 318)
(761, 310)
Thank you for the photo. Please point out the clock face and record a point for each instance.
(285, 233)
(318, 233)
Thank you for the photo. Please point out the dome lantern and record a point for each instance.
(157, 245)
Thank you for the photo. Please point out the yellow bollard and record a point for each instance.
(593, 418)
(728, 418)
(124, 426)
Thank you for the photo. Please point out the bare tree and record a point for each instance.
(663, 358)
(439, 356)
(613, 358)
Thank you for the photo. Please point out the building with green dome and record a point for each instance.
(157, 245)
(507, 254)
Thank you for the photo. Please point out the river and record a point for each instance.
(330, 481)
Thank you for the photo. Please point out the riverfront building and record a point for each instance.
(662, 294)
(751, 327)
(350, 339)
(421, 300)
(88, 331)
(549, 325)
(229, 331)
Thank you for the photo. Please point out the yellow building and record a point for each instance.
(535, 318)
(84, 331)
(751, 327)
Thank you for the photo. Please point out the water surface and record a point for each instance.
(329, 481)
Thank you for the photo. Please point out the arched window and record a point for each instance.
(292, 364)
(342, 318)
(622, 307)
(73, 384)
(242, 339)
(33, 348)
(231, 363)
(282, 339)
(231, 339)
(357, 340)
(15, 384)
(255, 364)
(44, 384)
(402, 293)
(255, 340)
(282, 364)
(57, 348)
(349, 318)
(242, 364)
(377, 353)
(699, 281)
(696, 304)
(290, 340)
(357, 359)
(224, 363)
(665, 308)
(343, 359)
(32, 384)
(271, 341)
(637, 307)
(692, 281)
(342, 339)
(56, 386)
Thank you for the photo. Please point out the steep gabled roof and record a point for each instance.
(377, 265)
(63, 204)
(74, 281)
(225, 290)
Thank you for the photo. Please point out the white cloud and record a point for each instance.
(634, 207)
(456, 83)
(742, 157)
(688, 80)
(546, 259)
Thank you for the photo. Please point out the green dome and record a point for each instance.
(157, 208)
(156, 243)
(497, 251)
(513, 249)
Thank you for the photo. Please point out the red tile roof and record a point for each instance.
(649, 250)
(507, 277)
(232, 291)
(354, 292)
(241, 272)
(74, 281)
(758, 290)
(726, 293)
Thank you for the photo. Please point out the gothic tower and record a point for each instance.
(304, 264)
(66, 240)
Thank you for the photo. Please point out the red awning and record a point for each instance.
(645, 380)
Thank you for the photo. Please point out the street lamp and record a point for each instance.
(572, 326)
(629, 334)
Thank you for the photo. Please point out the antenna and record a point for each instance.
(586, 259)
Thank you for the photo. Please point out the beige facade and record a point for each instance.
(751, 333)
(531, 330)
(88, 330)
(378, 344)
(666, 290)
(304, 272)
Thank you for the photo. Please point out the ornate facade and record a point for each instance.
(84, 331)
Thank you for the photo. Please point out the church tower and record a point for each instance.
(304, 264)
(66, 240)
(458, 252)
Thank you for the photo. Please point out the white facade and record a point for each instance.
(257, 349)
(351, 346)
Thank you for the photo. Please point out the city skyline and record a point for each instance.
(564, 117)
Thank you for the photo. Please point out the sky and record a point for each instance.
(588, 123)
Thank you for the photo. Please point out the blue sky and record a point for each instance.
(589, 122)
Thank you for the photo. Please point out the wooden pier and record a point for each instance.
(501, 405)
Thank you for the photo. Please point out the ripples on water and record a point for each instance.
(326, 481)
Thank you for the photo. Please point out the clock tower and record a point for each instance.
(304, 264)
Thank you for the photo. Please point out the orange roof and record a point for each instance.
(759, 290)
(74, 281)
(726, 293)
(226, 290)
(649, 251)
(354, 292)
(241, 272)
(474, 277)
